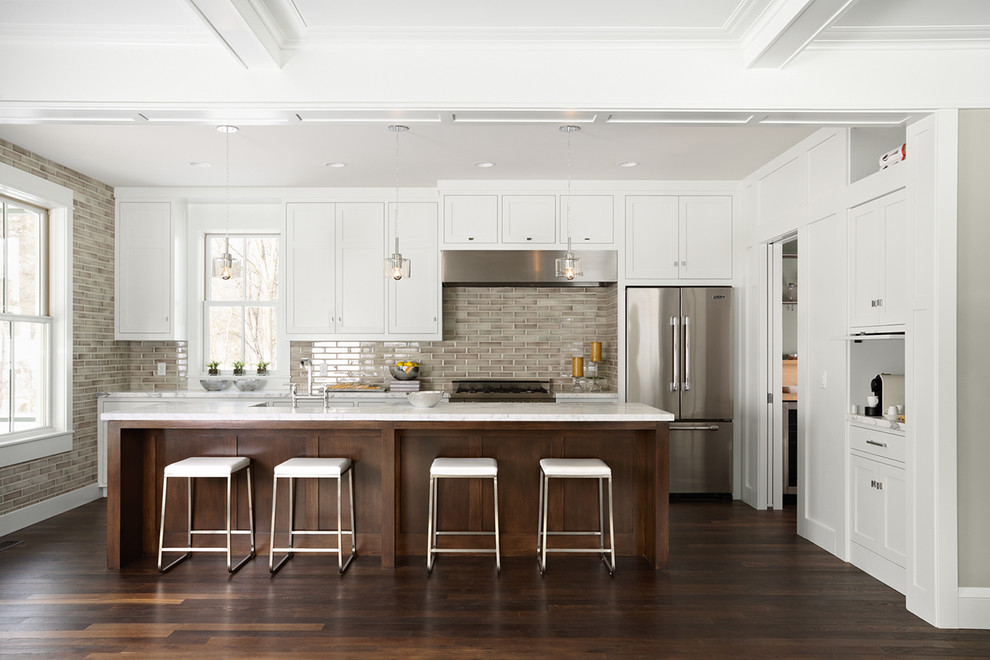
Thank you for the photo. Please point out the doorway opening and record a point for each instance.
(789, 363)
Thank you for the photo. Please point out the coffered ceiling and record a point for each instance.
(130, 91)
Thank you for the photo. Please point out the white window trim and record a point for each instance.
(245, 219)
(57, 437)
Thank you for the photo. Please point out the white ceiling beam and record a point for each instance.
(243, 31)
(789, 27)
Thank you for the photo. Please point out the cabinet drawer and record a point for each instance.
(877, 442)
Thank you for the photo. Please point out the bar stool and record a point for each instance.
(576, 468)
(313, 468)
(223, 467)
(460, 468)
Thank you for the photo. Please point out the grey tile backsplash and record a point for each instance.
(489, 332)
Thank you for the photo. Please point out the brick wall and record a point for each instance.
(97, 360)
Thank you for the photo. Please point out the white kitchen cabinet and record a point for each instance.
(310, 235)
(529, 219)
(359, 265)
(652, 246)
(470, 219)
(678, 237)
(414, 301)
(587, 219)
(878, 271)
(149, 272)
(878, 507)
(335, 283)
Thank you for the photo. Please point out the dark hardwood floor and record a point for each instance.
(741, 583)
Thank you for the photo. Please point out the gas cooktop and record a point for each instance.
(501, 389)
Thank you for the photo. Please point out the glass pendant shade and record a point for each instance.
(226, 266)
(568, 266)
(395, 266)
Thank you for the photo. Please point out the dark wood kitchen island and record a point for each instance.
(392, 446)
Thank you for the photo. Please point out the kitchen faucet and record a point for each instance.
(307, 364)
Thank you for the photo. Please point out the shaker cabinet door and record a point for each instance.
(360, 264)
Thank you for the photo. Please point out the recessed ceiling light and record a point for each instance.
(198, 163)
(627, 163)
(335, 164)
(227, 128)
(484, 164)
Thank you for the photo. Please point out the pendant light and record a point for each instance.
(395, 266)
(569, 266)
(226, 266)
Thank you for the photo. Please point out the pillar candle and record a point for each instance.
(577, 367)
(596, 351)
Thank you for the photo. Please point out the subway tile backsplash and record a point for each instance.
(489, 332)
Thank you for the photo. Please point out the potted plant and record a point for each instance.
(238, 368)
(262, 368)
(213, 368)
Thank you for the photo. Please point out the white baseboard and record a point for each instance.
(35, 513)
(881, 568)
(821, 535)
(974, 608)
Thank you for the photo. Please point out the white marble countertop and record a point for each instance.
(878, 422)
(395, 412)
(233, 394)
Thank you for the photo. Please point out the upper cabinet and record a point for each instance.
(335, 279)
(535, 220)
(878, 271)
(678, 237)
(414, 301)
(529, 219)
(470, 219)
(587, 219)
(150, 271)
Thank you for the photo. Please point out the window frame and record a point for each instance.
(56, 436)
(205, 215)
(241, 304)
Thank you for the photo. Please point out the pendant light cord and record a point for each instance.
(226, 193)
(396, 218)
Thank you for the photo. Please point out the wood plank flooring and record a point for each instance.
(741, 584)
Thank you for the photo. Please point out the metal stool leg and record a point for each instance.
(498, 547)
(611, 528)
(271, 544)
(430, 539)
(546, 498)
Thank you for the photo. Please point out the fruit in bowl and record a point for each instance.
(405, 370)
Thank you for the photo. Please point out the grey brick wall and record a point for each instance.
(98, 361)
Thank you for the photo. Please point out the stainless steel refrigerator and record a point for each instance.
(679, 359)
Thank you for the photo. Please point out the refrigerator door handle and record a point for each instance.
(686, 323)
(713, 427)
(675, 351)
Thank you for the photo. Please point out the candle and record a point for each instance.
(577, 367)
(596, 351)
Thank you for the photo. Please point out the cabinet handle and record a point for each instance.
(675, 264)
(587, 238)
(684, 263)
(470, 238)
(879, 485)
(876, 444)
(528, 238)
(873, 483)
(879, 302)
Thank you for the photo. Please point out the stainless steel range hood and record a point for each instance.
(525, 268)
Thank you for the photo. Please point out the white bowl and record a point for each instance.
(247, 384)
(426, 399)
(213, 384)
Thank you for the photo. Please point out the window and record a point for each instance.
(240, 313)
(25, 327)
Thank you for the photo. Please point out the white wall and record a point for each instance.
(974, 354)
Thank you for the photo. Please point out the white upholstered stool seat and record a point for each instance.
(460, 468)
(327, 468)
(576, 468)
(207, 466)
(313, 468)
(464, 467)
(204, 467)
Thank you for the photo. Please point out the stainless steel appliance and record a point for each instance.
(525, 268)
(679, 359)
(501, 389)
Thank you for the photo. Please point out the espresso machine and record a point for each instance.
(876, 389)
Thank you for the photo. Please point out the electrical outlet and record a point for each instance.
(161, 368)
(824, 379)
